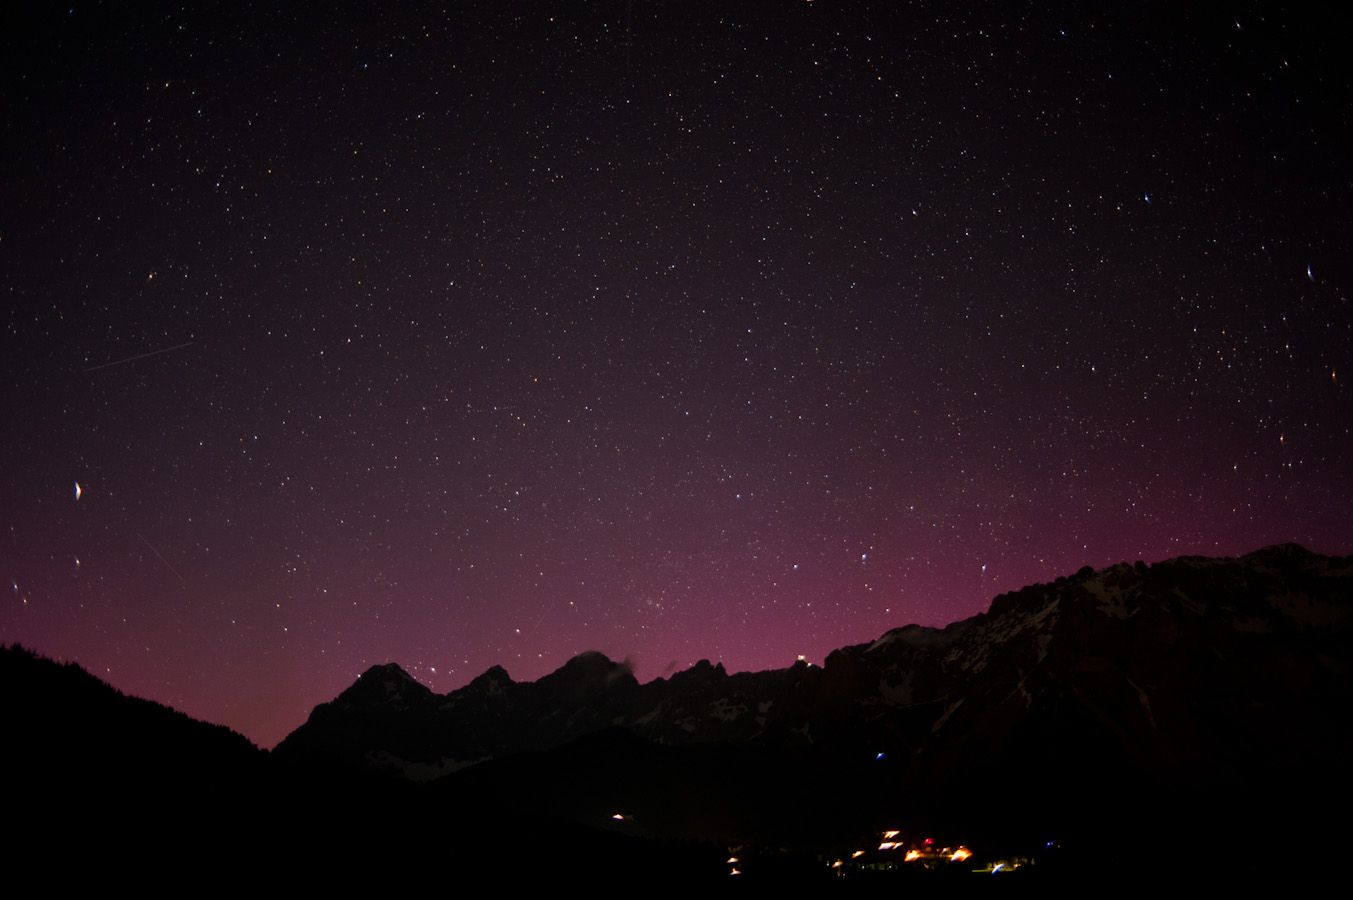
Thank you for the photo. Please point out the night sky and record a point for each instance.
(489, 333)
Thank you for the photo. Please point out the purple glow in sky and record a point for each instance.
(495, 333)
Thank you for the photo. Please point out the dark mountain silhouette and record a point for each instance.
(96, 782)
(1200, 691)
(102, 789)
(1159, 717)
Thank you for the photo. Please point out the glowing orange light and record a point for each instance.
(913, 855)
(960, 854)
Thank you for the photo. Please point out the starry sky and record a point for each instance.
(462, 334)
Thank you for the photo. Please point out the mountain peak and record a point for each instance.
(384, 683)
(1076, 664)
(493, 682)
(1280, 551)
(587, 672)
(590, 658)
(702, 673)
(387, 672)
(592, 661)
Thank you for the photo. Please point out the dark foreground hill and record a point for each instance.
(59, 717)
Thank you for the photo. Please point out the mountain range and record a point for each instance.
(1193, 701)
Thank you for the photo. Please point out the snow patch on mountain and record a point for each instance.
(948, 711)
(1111, 601)
(1308, 613)
(1145, 702)
(651, 716)
(974, 654)
(897, 692)
(419, 771)
(1188, 602)
(726, 711)
(1253, 625)
(915, 635)
(1043, 642)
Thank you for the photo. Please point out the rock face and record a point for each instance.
(1199, 673)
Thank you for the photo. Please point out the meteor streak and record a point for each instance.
(118, 362)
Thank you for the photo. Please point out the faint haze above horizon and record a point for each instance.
(488, 335)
